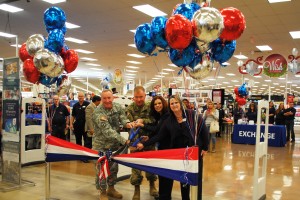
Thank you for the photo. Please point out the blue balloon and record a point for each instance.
(158, 25)
(54, 18)
(243, 90)
(46, 80)
(182, 58)
(185, 10)
(195, 7)
(55, 41)
(222, 51)
(143, 40)
(197, 54)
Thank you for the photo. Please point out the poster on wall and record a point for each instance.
(11, 96)
(118, 77)
(198, 97)
(218, 96)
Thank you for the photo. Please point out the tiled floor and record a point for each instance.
(228, 174)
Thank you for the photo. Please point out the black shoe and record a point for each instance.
(85, 161)
(292, 140)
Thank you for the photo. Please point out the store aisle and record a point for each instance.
(228, 174)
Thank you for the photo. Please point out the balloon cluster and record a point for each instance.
(241, 94)
(46, 59)
(105, 83)
(194, 36)
(293, 65)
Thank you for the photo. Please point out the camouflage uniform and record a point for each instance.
(107, 136)
(133, 113)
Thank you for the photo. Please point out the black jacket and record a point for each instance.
(180, 135)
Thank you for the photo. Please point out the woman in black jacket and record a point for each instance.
(178, 131)
(279, 117)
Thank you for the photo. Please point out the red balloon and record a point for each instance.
(178, 32)
(236, 91)
(234, 24)
(23, 53)
(71, 60)
(242, 101)
(30, 72)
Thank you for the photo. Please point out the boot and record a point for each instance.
(153, 191)
(112, 192)
(103, 195)
(136, 195)
(213, 148)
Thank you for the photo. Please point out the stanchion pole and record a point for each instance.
(194, 192)
(47, 180)
(200, 172)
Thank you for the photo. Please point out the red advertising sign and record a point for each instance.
(275, 65)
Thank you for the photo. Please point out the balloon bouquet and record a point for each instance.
(242, 93)
(194, 36)
(46, 59)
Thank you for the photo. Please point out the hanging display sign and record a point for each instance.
(275, 65)
(118, 77)
(11, 121)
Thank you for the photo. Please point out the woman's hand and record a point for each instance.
(139, 146)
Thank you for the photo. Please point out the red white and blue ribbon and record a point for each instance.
(176, 164)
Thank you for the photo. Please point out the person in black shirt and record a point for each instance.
(280, 119)
(252, 113)
(221, 118)
(77, 122)
(58, 119)
(272, 112)
(289, 114)
(238, 113)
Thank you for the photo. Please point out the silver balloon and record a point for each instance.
(295, 52)
(201, 70)
(48, 63)
(294, 67)
(64, 87)
(35, 43)
(209, 24)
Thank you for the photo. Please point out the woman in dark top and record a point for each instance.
(252, 113)
(238, 113)
(280, 119)
(178, 131)
(272, 112)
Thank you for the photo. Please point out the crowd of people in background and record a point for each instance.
(163, 124)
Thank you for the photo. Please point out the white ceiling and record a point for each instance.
(105, 24)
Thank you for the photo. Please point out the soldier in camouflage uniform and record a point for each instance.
(139, 111)
(107, 119)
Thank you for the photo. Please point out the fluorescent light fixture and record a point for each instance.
(89, 59)
(225, 63)
(264, 48)
(132, 45)
(132, 67)
(71, 26)
(96, 69)
(230, 74)
(159, 76)
(55, 1)
(297, 75)
(257, 76)
(241, 57)
(172, 65)
(132, 71)
(133, 31)
(130, 74)
(150, 10)
(93, 64)
(220, 77)
(281, 78)
(14, 45)
(8, 35)
(134, 62)
(235, 81)
(84, 51)
(268, 80)
(164, 73)
(295, 34)
(204, 81)
(10, 8)
(136, 55)
(75, 40)
(155, 78)
(226, 83)
(211, 79)
(278, 1)
(169, 70)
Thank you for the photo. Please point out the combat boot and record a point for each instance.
(153, 191)
(136, 195)
(112, 192)
(103, 195)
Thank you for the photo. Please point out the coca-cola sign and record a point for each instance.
(275, 65)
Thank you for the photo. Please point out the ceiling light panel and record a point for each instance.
(8, 35)
(75, 40)
(71, 26)
(136, 55)
(54, 1)
(84, 51)
(295, 34)
(264, 48)
(10, 8)
(150, 10)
